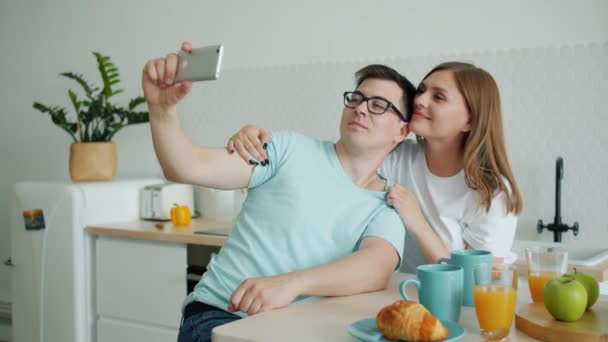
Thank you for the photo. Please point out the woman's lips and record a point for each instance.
(420, 116)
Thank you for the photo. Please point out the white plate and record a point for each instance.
(367, 331)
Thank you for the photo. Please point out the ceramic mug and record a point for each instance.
(439, 290)
(468, 258)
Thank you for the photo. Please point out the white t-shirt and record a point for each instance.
(451, 208)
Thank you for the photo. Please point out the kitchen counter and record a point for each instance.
(134, 245)
(149, 230)
(194, 234)
(167, 232)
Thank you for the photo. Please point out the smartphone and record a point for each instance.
(202, 64)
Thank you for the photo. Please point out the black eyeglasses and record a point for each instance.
(375, 104)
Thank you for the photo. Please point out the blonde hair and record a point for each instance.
(486, 165)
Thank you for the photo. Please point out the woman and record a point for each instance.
(455, 186)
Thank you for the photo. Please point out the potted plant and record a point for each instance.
(95, 122)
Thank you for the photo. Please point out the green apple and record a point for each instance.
(565, 298)
(590, 284)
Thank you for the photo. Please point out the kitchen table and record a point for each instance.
(327, 319)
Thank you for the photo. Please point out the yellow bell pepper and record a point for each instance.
(180, 215)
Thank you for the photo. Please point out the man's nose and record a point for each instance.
(362, 108)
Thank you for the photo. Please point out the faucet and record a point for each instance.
(557, 227)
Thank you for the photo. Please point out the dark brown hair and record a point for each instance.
(384, 72)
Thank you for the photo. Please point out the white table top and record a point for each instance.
(327, 319)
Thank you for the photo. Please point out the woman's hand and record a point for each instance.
(158, 82)
(261, 294)
(406, 205)
(404, 201)
(249, 142)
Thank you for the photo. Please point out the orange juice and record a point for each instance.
(495, 306)
(537, 281)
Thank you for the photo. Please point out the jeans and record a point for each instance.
(197, 328)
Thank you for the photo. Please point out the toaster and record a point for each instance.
(157, 200)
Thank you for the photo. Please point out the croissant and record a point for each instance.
(408, 320)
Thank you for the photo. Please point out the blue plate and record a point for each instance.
(367, 331)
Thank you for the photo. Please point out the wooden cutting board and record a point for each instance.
(537, 322)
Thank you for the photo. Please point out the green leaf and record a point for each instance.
(40, 107)
(58, 117)
(117, 92)
(137, 117)
(106, 67)
(99, 119)
(136, 102)
(88, 89)
(74, 100)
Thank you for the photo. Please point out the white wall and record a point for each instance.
(40, 39)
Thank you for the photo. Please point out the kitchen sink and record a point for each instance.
(577, 255)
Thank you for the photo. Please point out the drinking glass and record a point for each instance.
(544, 264)
(495, 297)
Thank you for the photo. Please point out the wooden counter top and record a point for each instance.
(166, 231)
(148, 230)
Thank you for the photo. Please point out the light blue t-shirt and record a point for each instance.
(301, 211)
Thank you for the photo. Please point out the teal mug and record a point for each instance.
(439, 290)
(468, 259)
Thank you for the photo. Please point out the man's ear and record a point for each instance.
(403, 132)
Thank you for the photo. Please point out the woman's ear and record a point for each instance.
(467, 127)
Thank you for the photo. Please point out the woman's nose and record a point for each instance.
(420, 100)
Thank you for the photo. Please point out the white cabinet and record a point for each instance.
(140, 287)
(119, 331)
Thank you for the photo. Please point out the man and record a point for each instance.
(315, 221)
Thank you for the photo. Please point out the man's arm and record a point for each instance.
(181, 160)
(368, 269)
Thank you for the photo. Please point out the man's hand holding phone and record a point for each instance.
(181, 160)
(167, 80)
(161, 91)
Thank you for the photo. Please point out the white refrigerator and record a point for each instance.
(52, 290)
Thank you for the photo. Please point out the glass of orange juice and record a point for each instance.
(544, 264)
(495, 297)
